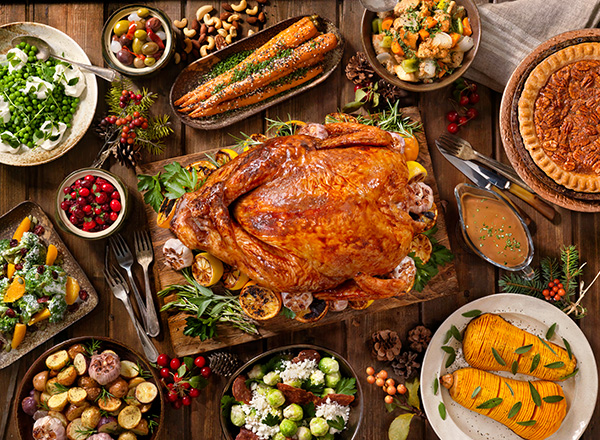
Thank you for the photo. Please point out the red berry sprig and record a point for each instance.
(464, 94)
(555, 291)
(396, 394)
(183, 379)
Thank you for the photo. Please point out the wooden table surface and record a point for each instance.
(84, 21)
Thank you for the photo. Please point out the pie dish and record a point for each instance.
(558, 116)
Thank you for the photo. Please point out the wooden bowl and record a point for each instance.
(25, 422)
(356, 408)
(516, 151)
(366, 32)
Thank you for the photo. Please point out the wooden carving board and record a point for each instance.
(445, 283)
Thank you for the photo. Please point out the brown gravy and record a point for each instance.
(495, 230)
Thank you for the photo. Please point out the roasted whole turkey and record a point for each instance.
(327, 211)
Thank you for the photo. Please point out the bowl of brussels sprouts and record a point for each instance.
(301, 391)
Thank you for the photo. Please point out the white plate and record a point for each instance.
(60, 43)
(535, 316)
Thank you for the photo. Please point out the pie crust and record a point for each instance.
(559, 116)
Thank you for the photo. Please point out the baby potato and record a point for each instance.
(44, 398)
(127, 436)
(141, 428)
(58, 360)
(80, 362)
(87, 382)
(146, 392)
(93, 393)
(77, 396)
(130, 398)
(129, 417)
(129, 370)
(109, 404)
(118, 388)
(68, 376)
(136, 381)
(60, 416)
(145, 408)
(76, 349)
(74, 412)
(91, 417)
(39, 381)
(76, 430)
(58, 401)
(51, 387)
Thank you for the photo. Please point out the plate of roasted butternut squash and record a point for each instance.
(506, 367)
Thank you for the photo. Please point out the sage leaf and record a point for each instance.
(552, 399)
(442, 410)
(448, 350)
(551, 331)
(447, 337)
(535, 395)
(450, 360)
(492, 403)
(514, 367)
(456, 333)
(510, 389)
(523, 349)
(558, 364)
(514, 410)
(570, 374)
(535, 362)
(400, 427)
(547, 346)
(475, 392)
(472, 313)
(498, 357)
(527, 423)
(436, 386)
(568, 347)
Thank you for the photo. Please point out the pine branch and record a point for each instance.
(147, 100)
(550, 268)
(515, 283)
(158, 127)
(569, 256)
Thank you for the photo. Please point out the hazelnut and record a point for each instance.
(251, 20)
(227, 7)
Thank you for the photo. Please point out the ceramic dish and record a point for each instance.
(8, 224)
(366, 33)
(511, 136)
(535, 316)
(60, 43)
(188, 78)
(356, 408)
(25, 422)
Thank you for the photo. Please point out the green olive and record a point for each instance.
(149, 48)
(121, 27)
(139, 25)
(139, 63)
(143, 12)
(137, 45)
(141, 34)
(149, 61)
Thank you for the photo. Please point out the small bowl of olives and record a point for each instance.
(137, 40)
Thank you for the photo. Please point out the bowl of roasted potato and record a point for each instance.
(89, 388)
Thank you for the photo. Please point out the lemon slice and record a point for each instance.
(416, 172)
(225, 155)
(207, 269)
(259, 302)
(234, 279)
(422, 247)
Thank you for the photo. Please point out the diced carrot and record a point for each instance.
(424, 34)
(72, 290)
(387, 23)
(430, 22)
(51, 255)
(467, 27)
(410, 39)
(455, 37)
(39, 316)
(10, 271)
(15, 291)
(23, 227)
(396, 48)
(18, 335)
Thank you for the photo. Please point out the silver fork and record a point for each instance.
(125, 260)
(118, 285)
(144, 254)
(457, 146)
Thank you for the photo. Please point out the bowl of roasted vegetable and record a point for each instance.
(296, 391)
(89, 388)
(422, 45)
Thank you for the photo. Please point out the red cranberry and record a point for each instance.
(78, 183)
(98, 210)
(99, 220)
(194, 392)
(87, 209)
(464, 100)
(106, 207)
(172, 397)
(43, 299)
(115, 195)
(462, 120)
(18, 266)
(101, 198)
(73, 219)
(175, 364)
(87, 184)
(115, 205)
(65, 205)
(14, 242)
(163, 360)
(40, 269)
(84, 192)
(11, 313)
(67, 189)
(114, 216)
(89, 177)
(55, 274)
(205, 372)
(73, 195)
(452, 128)
(23, 252)
(186, 400)
(200, 361)
(79, 213)
(452, 116)
(105, 226)
(83, 295)
(164, 372)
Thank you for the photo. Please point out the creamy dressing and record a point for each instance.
(41, 89)
(52, 133)
(5, 146)
(65, 75)
(4, 110)
(18, 60)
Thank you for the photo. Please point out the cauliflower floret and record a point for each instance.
(405, 5)
(443, 18)
(428, 49)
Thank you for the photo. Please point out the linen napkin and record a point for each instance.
(510, 30)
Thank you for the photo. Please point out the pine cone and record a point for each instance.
(394, 93)
(385, 345)
(127, 154)
(406, 366)
(419, 338)
(224, 363)
(358, 69)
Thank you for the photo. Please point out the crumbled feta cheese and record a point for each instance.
(256, 412)
(298, 370)
(330, 410)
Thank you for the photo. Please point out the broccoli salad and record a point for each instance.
(37, 100)
(34, 286)
(302, 398)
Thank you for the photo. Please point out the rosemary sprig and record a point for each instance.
(92, 346)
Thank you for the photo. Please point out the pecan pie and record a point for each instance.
(559, 116)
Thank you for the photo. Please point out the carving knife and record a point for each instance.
(486, 179)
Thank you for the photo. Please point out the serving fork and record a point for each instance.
(119, 288)
(458, 147)
(125, 260)
(144, 255)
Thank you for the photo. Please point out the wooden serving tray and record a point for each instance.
(8, 223)
(188, 78)
(445, 283)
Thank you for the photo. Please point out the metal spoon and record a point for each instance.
(44, 51)
(379, 5)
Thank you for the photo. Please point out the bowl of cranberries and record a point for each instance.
(91, 203)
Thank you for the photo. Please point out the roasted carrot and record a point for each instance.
(467, 27)
(455, 37)
(423, 34)
(387, 23)
(260, 94)
(396, 48)
(305, 55)
(430, 22)
(291, 37)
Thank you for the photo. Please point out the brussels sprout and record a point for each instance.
(332, 379)
(328, 391)
(257, 372)
(272, 378)
(288, 427)
(318, 426)
(293, 412)
(294, 383)
(317, 378)
(262, 389)
(238, 418)
(329, 365)
(275, 398)
(278, 436)
(303, 433)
